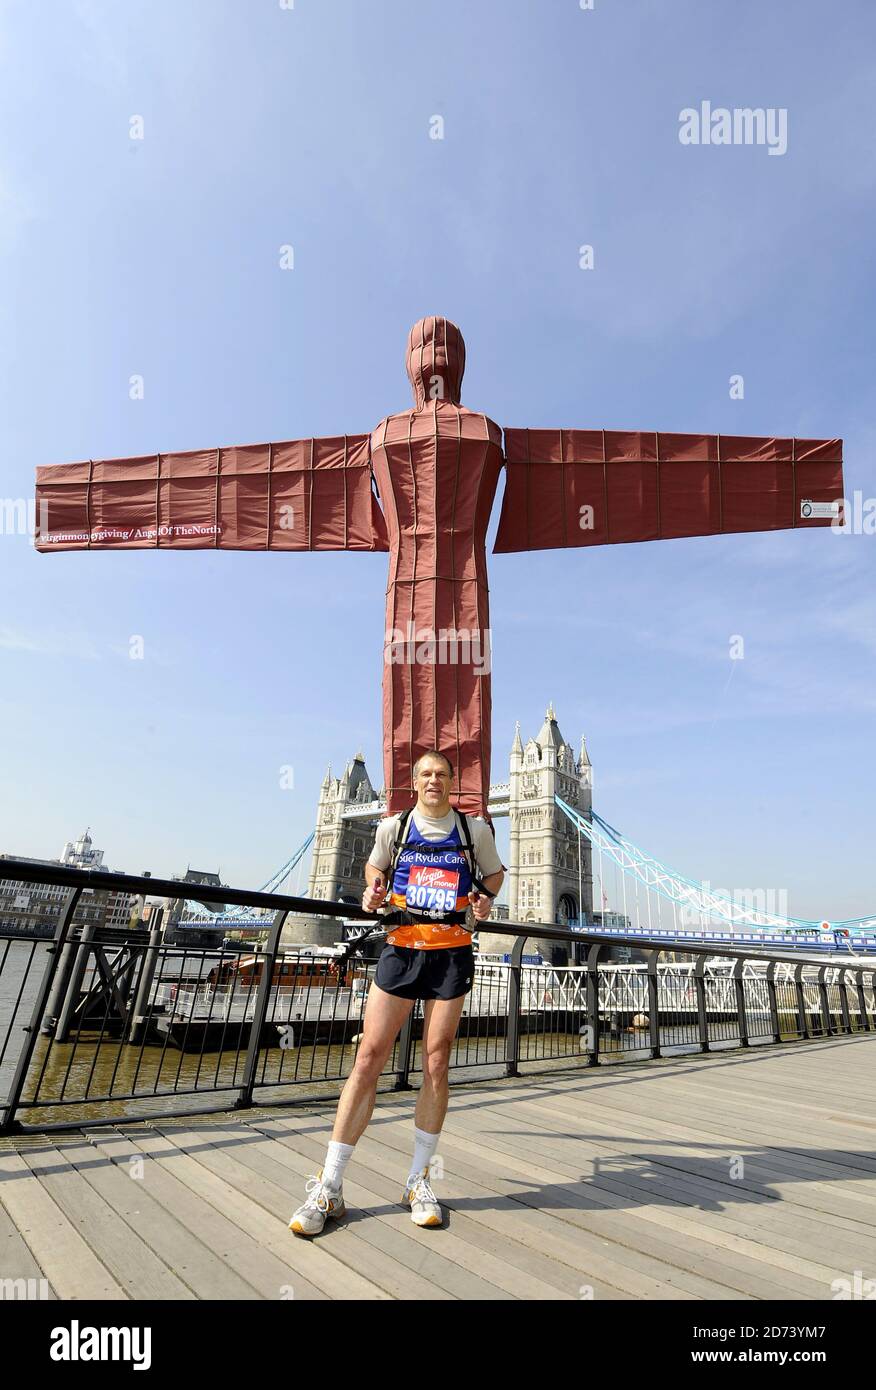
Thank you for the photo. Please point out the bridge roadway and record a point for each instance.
(618, 1182)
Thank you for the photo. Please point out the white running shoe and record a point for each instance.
(425, 1209)
(322, 1202)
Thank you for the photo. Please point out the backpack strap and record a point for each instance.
(462, 819)
(401, 835)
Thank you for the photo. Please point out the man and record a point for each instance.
(428, 955)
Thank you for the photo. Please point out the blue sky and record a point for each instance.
(265, 126)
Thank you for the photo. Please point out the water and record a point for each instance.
(22, 964)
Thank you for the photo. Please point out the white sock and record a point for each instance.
(336, 1160)
(425, 1145)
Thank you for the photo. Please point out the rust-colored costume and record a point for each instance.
(436, 468)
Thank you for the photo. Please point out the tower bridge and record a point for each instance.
(566, 866)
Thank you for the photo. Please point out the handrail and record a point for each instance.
(316, 907)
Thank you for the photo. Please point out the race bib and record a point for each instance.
(432, 888)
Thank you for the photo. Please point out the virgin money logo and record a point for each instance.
(434, 878)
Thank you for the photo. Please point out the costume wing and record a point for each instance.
(603, 487)
(304, 494)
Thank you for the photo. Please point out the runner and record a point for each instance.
(429, 860)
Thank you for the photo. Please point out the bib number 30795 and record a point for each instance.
(432, 888)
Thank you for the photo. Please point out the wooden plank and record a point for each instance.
(549, 1239)
(767, 1091)
(394, 1233)
(605, 1129)
(176, 1244)
(651, 1118)
(17, 1260)
(789, 1131)
(617, 1211)
(262, 1268)
(769, 1078)
(70, 1265)
(683, 1244)
(533, 1264)
(767, 1167)
(758, 1259)
(496, 1276)
(624, 1269)
(132, 1264)
(333, 1263)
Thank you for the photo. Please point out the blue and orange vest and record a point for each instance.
(431, 876)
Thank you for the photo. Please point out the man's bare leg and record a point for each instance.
(439, 1030)
(384, 1016)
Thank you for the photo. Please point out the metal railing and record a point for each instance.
(130, 1026)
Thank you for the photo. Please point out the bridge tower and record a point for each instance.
(337, 869)
(544, 884)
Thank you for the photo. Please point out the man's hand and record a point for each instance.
(374, 894)
(481, 905)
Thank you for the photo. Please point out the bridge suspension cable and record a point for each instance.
(273, 884)
(699, 907)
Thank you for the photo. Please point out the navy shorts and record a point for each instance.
(445, 972)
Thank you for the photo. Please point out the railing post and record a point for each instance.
(138, 1016)
(592, 998)
(263, 994)
(67, 957)
(844, 1001)
(653, 1003)
(512, 1026)
(825, 1002)
(740, 1001)
(8, 1123)
(862, 1004)
(702, 1016)
(74, 986)
(774, 1003)
(805, 1027)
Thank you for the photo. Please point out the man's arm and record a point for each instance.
(377, 864)
(377, 887)
(481, 905)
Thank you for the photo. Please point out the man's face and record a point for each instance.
(432, 782)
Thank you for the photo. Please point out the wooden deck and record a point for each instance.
(622, 1180)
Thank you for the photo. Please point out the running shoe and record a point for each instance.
(322, 1202)
(425, 1210)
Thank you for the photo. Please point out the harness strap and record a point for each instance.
(398, 917)
(400, 837)
(462, 818)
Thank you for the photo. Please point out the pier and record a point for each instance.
(742, 1175)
